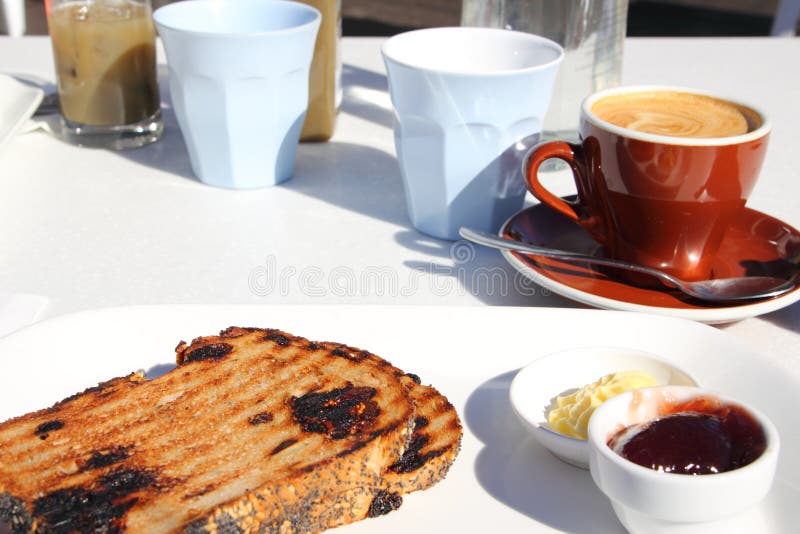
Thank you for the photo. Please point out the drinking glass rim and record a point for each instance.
(760, 132)
(554, 46)
(158, 16)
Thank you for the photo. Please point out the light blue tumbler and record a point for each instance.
(238, 77)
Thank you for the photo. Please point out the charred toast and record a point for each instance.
(254, 430)
(436, 438)
(434, 444)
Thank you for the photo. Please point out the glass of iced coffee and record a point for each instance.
(105, 59)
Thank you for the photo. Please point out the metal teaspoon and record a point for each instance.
(718, 290)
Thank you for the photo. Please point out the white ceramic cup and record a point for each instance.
(468, 103)
(238, 76)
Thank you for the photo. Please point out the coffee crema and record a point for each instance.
(673, 114)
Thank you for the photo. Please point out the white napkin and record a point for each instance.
(18, 310)
(18, 101)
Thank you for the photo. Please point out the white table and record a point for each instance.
(94, 228)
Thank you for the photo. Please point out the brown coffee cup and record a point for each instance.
(660, 172)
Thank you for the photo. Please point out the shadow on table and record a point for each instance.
(160, 369)
(464, 267)
(367, 181)
(517, 471)
(168, 154)
(787, 318)
(366, 95)
(348, 167)
(467, 268)
(355, 177)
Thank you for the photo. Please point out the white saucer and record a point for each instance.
(755, 244)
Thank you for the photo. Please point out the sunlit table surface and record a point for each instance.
(94, 228)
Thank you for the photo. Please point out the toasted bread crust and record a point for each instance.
(436, 438)
(434, 445)
(218, 441)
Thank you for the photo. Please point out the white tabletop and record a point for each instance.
(94, 228)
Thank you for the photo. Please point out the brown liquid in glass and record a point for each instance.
(105, 61)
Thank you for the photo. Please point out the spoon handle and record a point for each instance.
(483, 238)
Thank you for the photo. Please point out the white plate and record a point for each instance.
(18, 101)
(503, 480)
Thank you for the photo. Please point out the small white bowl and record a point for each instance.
(535, 387)
(653, 502)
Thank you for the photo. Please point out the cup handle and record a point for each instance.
(588, 211)
(560, 150)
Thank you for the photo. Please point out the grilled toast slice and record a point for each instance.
(434, 445)
(253, 430)
(437, 432)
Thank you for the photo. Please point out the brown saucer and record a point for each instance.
(756, 244)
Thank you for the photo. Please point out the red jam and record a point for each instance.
(698, 437)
